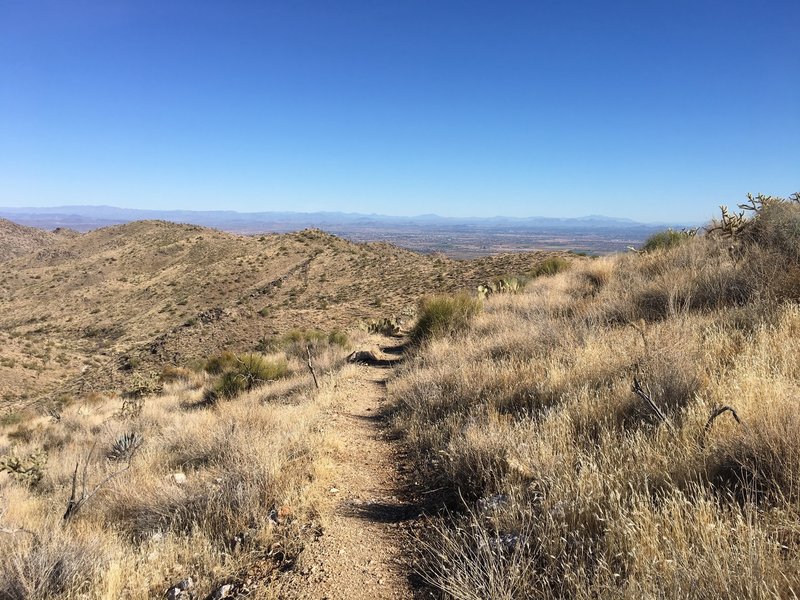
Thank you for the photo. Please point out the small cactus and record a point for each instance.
(28, 471)
(385, 326)
(501, 285)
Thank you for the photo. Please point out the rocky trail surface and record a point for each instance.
(362, 552)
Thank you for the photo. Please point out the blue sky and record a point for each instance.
(642, 109)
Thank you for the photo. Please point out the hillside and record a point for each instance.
(627, 429)
(91, 310)
(17, 240)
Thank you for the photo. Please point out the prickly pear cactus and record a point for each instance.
(385, 326)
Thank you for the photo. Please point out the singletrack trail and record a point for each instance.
(360, 554)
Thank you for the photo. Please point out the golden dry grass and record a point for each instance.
(219, 491)
(564, 484)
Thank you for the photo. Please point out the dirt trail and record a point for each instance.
(360, 554)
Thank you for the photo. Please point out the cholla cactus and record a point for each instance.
(143, 385)
(28, 471)
(487, 289)
(125, 447)
(730, 224)
(510, 285)
(131, 408)
(759, 201)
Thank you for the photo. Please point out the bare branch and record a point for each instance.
(713, 416)
(639, 391)
(74, 504)
(311, 367)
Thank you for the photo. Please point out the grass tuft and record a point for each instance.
(441, 316)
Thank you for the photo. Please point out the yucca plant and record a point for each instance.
(124, 448)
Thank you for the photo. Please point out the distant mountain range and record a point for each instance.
(84, 218)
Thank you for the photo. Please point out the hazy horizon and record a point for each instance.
(430, 215)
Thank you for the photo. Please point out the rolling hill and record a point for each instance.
(16, 240)
(82, 312)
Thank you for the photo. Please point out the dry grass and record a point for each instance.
(217, 491)
(589, 492)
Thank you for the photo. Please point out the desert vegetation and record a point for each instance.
(627, 428)
(212, 482)
(615, 427)
(93, 311)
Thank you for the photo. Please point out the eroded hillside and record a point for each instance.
(86, 312)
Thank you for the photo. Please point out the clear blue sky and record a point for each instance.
(654, 110)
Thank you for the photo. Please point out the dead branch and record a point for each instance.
(74, 503)
(713, 416)
(646, 397)
(641, 329)
(311, 367)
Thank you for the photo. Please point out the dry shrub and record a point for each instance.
(53, 563)
(777, 227)
(762, 462)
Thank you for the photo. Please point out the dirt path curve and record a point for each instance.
(360, 553)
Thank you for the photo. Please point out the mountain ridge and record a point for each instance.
(203, 217)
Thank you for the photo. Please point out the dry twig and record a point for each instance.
(74, 503)
(648, 400)
(311, 367)
(713, 416)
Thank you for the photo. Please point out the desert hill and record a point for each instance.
(16, 240)
(86, 311)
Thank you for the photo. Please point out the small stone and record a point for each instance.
(334, 490)
(180, 591)
(226, 591)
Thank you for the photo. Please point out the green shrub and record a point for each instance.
(249, 371)
(303, 337)
(666, 239)
(548, 267)
(337, 338)
(10, 419)
(295, 342)
(220, 363)
(444, 315)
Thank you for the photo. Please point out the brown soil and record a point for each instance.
(361, 552)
